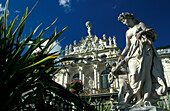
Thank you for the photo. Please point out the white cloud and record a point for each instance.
(56, 48)
(16, 11)
(2, 8)
(66, 4)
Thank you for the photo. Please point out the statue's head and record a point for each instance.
(125, 15)
(88, 24)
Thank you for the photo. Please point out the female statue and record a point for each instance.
(145, 75)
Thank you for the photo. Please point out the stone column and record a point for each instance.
(80, 73)
(95, 77)
(98, 79)
(67, 76)
(83, 80)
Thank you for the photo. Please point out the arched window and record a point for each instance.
(104, 79)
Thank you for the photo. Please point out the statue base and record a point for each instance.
(148, 108)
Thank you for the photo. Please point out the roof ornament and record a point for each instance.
(89, 26)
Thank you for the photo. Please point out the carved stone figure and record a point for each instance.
(75, 42)
(66, 49)
(121, 74)
(104, 36)
(90, 82)
(110, 41)
(146, 77)
(96, 38)
(70, 48)
(89, 26)
(114, 41)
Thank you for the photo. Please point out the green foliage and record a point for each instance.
(165, 103)
(168, 97)
(104, 106)
(100, 105)
(26, 78)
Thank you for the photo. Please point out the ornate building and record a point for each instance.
(91, 70)
(164, 53)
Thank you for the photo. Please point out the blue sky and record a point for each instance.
(102, 14)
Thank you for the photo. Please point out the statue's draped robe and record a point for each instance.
(145, 60)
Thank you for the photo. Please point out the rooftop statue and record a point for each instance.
(114, 41)
(89, 26)
(145, 76)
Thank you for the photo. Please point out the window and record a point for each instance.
(104, 79)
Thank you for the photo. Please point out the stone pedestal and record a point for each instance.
(149, 108)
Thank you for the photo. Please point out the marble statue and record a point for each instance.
(90, 82)
(145, 76)
(104, 36)
(70, 48)
(66, 49)
(114, 41)
(75, 42)
(121, 74)
(110, 41)
(89, 26)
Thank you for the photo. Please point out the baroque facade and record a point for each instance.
(164, 54)
(91, 70)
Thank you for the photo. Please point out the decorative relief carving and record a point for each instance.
(89, 44)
